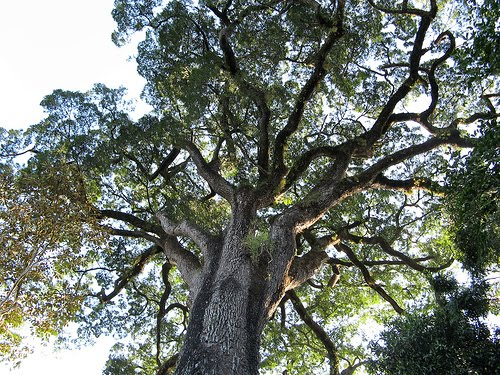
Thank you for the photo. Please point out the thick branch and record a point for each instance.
(211, 176)
(134, 234)
(305, 160)
(370, 263)
(132, 220)
(387, 248)
(167, 365)
(305, 267)
(165, 270)
(187, 263)
(335, 186)
(321, 243)
(165, 163)
(416, 183)
(473, 118)
(404, 9)
(432, 77)
(186, 229)
(397, 157)
(229, 57)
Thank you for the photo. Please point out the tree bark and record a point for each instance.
(240, 287)
(227, 316)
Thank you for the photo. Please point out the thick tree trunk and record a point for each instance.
(240, 286)
(228, 312)
(224, 332)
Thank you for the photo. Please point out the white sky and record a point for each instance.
(47, 45)
(57, 44)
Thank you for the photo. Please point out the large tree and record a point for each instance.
(287, 185)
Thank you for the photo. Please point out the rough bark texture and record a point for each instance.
(226, 320)
(239, 292)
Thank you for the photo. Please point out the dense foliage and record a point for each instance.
(451, 339)
(473, 202)
(346, 150)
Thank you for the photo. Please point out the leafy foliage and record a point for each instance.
(48, 233)
(450, 339)
(473, 202)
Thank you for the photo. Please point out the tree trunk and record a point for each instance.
(243, 280)
(228, 312)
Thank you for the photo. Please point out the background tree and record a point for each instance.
(452, 339)
(288, 181)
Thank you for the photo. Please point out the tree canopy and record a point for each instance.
(333, 153)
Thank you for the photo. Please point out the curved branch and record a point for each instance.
(187, 263)
(306, 93)
(318, 331)
(335, 186)
(387, 248)
(370, 263)
(129, 275)
(165, 270)
(231, 64)
(334, 279)
(211, 176)
(368, 278)
(473, 118)
(397, 157)
(133, 234)
(132, 220)
(321, 243)
(165, 163)
(382, 123)
(432, 77)
(305, 160)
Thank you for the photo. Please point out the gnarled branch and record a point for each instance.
(305, 267)
(367, 276)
